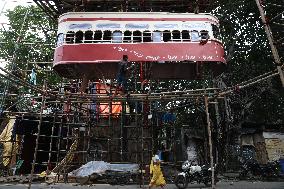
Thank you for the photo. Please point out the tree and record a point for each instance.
(28, 39)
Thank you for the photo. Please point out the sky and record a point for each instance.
(9, 5)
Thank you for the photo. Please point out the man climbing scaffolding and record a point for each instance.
(122, 72)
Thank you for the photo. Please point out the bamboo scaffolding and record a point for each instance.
(54, 97)
(271, 41)
(37, 139)
(210, 143)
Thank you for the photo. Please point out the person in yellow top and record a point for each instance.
(157, 175)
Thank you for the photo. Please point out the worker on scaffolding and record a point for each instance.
(121, 76)
(156, 172)
(33, 77)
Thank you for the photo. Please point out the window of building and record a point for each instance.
(127, 36)
(117, 37)
(98, 36)
(60, 39)
(166, 36)
(176, 35)
(185, 35)
(107, 36)
(70, 37)
(89, 36)
(137, 36)
(147, 36)
(79, 37)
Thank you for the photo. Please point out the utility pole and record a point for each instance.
(271, 41)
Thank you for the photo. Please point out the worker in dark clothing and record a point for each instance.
(121, 76)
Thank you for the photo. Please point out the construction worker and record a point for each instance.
(121, 76)
(156, 172)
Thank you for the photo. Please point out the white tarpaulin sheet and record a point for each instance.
(124, 167)
(100, 167)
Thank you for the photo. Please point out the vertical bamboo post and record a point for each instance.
(218, 121)
(38, 134)
(137, 131)
(227, 129)
(122, 122)
(50, 144)
(210, 142)
(59, 137)
(89, 136)
(271, 41)
(142, 144)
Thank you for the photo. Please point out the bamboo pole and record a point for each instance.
(37, 138)
(142, 145)
(271, 41)
(210, 142)
(50, 144)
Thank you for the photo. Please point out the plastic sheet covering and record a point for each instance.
(80, 26)
(124, 167)
(108, 25)
(197, 26)
(117, 37)
(137, 26)
(9, 149)
(100, 167)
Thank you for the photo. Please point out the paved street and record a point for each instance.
(220, 185)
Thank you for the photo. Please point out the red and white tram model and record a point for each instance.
(176, 45)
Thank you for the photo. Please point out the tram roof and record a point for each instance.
(139, 15)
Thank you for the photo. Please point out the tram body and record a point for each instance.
(174, 45)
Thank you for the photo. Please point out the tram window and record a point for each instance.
(88, 37)
(204, 35)
(157, 36)
(166, 36)
(147, 36)
(195, 36)
(117, 37)
(216, 32)
(70, 37)
(79, 37)
(98, 36)
(60, 39)
(107, 36)
(176, 35)
(127, 36)
(137, 36)
(185, 35)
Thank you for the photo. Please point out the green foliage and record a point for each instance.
(29, 38)
(249, 55)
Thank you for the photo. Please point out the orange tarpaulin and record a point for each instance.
(104, 108)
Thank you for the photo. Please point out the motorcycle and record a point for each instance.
(253, 168)
(201, 174)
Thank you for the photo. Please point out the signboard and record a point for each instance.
(274, 145)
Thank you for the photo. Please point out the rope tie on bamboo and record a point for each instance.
(237, 89)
